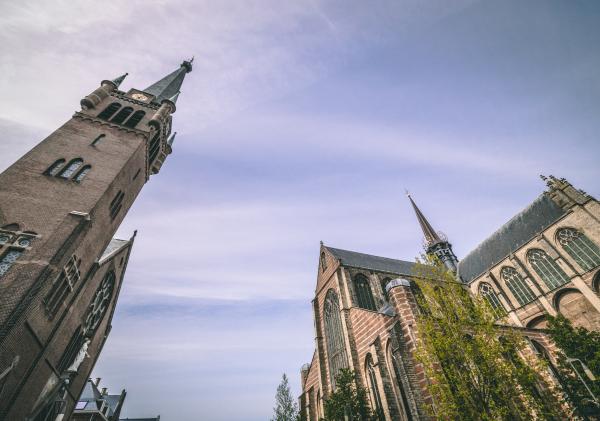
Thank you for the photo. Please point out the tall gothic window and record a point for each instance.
(55, 168)
(135, 119)
(363, 292)
(488, 293)
(121, 115)
(547, 269)
(82, 173)
(71, 168)
(517, 285)
(583, 250)
(375, 396)
(116, 204)
(109, 111)
(334, 336)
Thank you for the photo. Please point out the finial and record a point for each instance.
(407, 193)
(188, 64)
(543, 177)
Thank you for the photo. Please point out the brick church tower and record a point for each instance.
(60, 268)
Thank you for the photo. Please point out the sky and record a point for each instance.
(302, 121)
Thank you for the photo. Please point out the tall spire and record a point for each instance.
(431, 237)
(169, 86)
(435, 244)
(119, 80)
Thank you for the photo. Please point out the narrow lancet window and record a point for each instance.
(488, 293)
(116, 204)
(334, 337)
(71, 168)
(82, 173)
(109, 111)
(122, 115)
(135, 119)
(364, 294)
(55, 168)
(98, 139)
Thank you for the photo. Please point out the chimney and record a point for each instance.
(97, 382)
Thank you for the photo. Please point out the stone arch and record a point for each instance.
(539, 322)
(572, 304)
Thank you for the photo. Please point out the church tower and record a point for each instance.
(435, 243)
(60, 268)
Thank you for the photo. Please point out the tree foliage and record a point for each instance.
(349, 401)
(286, 407)
(578, 343)
(475, 367)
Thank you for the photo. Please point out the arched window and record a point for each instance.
(71, 168)
(98, 139)
(542, 353)
(55, 168)
(109, 111)
(547, 269)
(373, 389)
(82, 173)
(517, 285)
(334, 337)
(583, 250)
(122, 115)
(135, 119)
(363, 292)
(487, 292)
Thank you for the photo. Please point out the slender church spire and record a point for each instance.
(436, 244)
(168, 87)
(119, 80)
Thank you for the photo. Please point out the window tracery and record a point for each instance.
(109, 111)
(547, 269)
(364, 294)
(334, 337)
(516, 284)
(12, 245)
(583, 250)
(488, 293)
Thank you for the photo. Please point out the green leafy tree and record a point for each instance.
(579, 350)
(286, 407)
(349, 401)
(473, 365)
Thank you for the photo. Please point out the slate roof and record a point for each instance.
(539, 215)
(168, 87)
(376, 263)
(114, 245)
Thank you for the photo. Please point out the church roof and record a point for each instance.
(113, 247)
(540, 214)
(370, 262)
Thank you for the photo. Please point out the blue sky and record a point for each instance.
(302, 121)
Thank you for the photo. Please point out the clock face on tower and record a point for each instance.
(139, 97)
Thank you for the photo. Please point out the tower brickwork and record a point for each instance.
(60, 268)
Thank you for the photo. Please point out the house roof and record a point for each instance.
(370, 262)
(539, 215)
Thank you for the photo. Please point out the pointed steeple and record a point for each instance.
(431, 237)
(435, 244)
(119, 80)
(168, 87)
(171, 139)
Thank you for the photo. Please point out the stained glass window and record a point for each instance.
(363, 292)
(583, 250)
(334, 337)
(71, 168)
(490, 296)
(7, 260)
(517, 285)
(547, 269)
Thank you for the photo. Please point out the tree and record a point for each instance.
(286, 407)
(349, 401)
(475, 368)
(578, 345)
